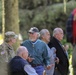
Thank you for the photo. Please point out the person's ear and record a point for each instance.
(38, 34)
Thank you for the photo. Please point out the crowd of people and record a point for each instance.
(41, 54)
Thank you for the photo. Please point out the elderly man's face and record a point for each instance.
(25, 54)
(60, 35)
(33, 36)
(46, 37)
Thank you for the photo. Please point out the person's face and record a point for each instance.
(60, 35)
(25, 55)
(46, 37)
(13, 40)
(33, 36)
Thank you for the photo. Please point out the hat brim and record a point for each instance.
(30, 31)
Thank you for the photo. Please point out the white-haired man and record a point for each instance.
(62, 67)
(45, 36)
(19, 65)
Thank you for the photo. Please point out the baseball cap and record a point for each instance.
(33, 30)
(10, 34)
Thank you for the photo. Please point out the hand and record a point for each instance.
(44, 72)
(57, 60)
(29, 59)
(49, 66)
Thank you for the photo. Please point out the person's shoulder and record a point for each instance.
(51, 40)
(23, 62)
(2, 46)
(24, 42)
(41, 42)
(18, 59)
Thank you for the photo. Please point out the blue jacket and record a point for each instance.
(38, 51)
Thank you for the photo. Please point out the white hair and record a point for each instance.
(43, 32)
(56, 31)
(38, 34)
(21, 49)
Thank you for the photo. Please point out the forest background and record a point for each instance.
(20, 15)
(42, 14)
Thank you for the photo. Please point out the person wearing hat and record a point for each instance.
(38, 54)
(7, 51)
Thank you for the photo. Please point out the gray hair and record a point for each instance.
(43, 32)
(56, 31)
(20, 50)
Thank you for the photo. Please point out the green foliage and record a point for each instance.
(32, 4)
(64, 41)
(42, 15)
(45, 17)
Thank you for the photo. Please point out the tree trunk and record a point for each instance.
(3, 19)
(65, 6)
(12, 17)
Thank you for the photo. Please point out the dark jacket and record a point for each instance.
(63, 60)
(16, 66)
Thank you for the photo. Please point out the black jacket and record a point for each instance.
(16, 66)
(63, 60)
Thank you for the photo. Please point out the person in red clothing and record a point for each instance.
(74, 25)
(74, 42)
(71, 36)
(71, 28)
